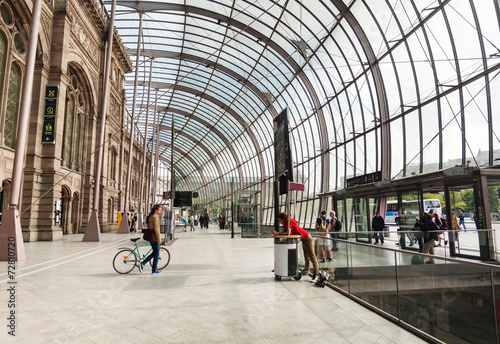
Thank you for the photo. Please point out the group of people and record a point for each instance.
(325, 226)
(204, 219)
(429, 229)
(222, 221)
(132, 220)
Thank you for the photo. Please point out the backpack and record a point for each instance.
(324, 226)
(338, 226)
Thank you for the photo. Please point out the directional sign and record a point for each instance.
(49, 115)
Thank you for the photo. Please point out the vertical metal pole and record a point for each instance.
(145, 146)
(287, 205)
(10, 231)
(151, 171)
(157, 152)
(232, 208)
(124, 223)
(276, 205)
(93, 231)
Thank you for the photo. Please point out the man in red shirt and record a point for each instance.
(307, 242)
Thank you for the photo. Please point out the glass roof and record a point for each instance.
(394, 86)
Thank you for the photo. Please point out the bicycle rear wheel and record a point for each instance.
(163, 260)
(125, 261)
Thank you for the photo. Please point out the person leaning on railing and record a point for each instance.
(307, 242)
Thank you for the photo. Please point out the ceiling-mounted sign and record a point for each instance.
(49, 114)
(365, 179)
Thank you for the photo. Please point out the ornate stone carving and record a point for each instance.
(84, 40)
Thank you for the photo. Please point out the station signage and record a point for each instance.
(365, 179)
(49, 114)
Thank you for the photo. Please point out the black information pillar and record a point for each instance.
(282, 162)
(49, 115)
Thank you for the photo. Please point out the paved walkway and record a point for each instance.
(215, 290)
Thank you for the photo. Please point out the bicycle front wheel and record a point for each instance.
(125, 261)
(163, 259)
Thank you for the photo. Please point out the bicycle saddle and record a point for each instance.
(134, 240)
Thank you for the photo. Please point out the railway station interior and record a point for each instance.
(239, 110)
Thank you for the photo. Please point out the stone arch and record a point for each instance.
(4, 197)
(75, 213)
(78, 108)
(66, 203)
(111, 210)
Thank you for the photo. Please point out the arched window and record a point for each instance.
(112, 163)
(12, 54)
(12, 104)
(3, 48)
(73, 125)
(70, 114)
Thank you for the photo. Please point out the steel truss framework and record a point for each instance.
(400, 86)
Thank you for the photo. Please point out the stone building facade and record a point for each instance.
(71, 56)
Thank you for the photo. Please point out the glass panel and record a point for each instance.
(3, 46)
(12, 104)
(77, 142)
(6, 13)
(408, 213)
(70, 110)
(460, 309)
(377, 286)
(358, 218)
(465, 236)
(19, 43)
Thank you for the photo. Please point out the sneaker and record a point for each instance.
(157, 272)
(140, 267)
(329, 260)
(314, 279)
(322, 260)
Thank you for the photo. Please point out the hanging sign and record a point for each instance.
(49, 115)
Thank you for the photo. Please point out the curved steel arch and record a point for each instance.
(176, 170)
(216, 66)
(215, 130)
(199, 170)
(220, 105)
(299, 72)
(202, 146)
(377, 81)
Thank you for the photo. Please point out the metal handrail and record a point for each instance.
(453, 260)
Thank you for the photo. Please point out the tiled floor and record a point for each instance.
(215, 290)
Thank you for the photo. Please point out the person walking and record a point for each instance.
(207, 219)
(307, 242)
(202, 220)
(184, 222)
(191, 223)
(378, 225)
(461, 220)
(153, 221)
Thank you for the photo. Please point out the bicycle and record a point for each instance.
(127, 259)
